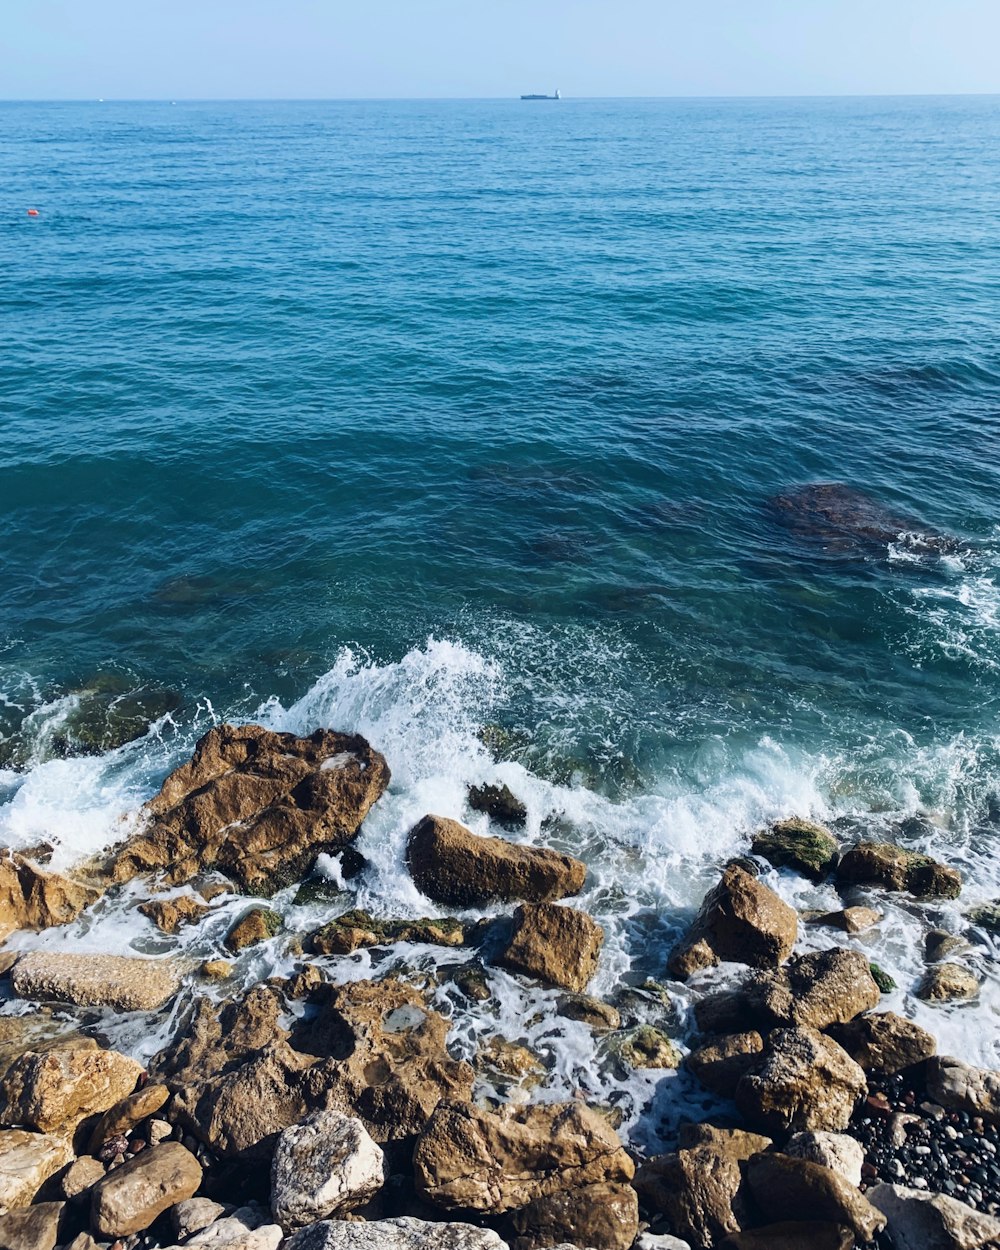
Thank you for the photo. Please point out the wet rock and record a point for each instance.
(131, 1197)
(849, 919)
(510, 1059)
(171, 914)
(722, 1063)
(882, 979)
(604, 1216)
(923, 1221)
(32, 1228)
(594, 1012)
(216, 969)
(400, 1234)
(255, 926)
(842, 519)
(884, 1042)
(325, 1166)
(194, 1214)
(805, 1082)
(33, 898)
(734, 1141)
(985, 917)
(356, 929)
(939, 944)
(793, 1235)
(961, 1087)
(836, 1151)
(893, 868)
(456, 867)
(472, 1159)
(27, 1160)
(817, 990)
(55, 1089)
(556, 944)
(786, 1188)
(808, 848)
(80, 1177)
(696, 1190)
(944, 983)
(741, 919)
(118, 981)
(127, 1114)
(649, 1047)
(499, 803)
(256, 805)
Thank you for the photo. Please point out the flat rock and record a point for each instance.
(32, 1228)
(603, 1215)
(458, 868)
(738, 1142)
(33, 898)
(696, 1190)
(55, 1089)
(560, 945)
(117, 981)
(837, 1151)
(131, 1197)
(325, 1166)
(257, 806)
(849, 919)
(593, 1012)
(884, 1042)
(27, 1160)
(961, 1087)
(81, 1176)
(922, 1221)
(806, 1082)
(803, 845)
(786, 1188)
(893, 868)
(402, 1234)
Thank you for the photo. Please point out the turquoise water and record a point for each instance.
(429, 415)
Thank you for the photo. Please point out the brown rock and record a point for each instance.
(356, 929)
(216, 969)
(939, 944)
(648, 1047)
(735, 1141)
(125, 1115)
(961, 1087)
(556, 944)
(893, 868)
(58, 1088)
(479, 1160)
(252, 928)
(594, 1012)
(81, 1176)
(117, 981)
(849, 919)
(697, 1190)
(499, 803)
(786, 1188)
(817, 990)
(456, 867)
(793, 1235)
(170, 914)
(32, 898)
(720, 1064)
(809, 848)
(603, 1215)
(27, 1160)
(944, 983)
(741, 919)
(131, 1197)
(806, 1081)
(32, 1228)
(257, 806)
(884, 1042)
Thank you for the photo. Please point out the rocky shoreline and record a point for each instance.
(307, 1113)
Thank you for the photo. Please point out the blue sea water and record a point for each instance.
(424, 416)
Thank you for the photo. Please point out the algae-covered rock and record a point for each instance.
(882, 979)
(809, 848)
(357, 928)
(255, 926)
(648, 1047)
(499, 803)
(894, 868)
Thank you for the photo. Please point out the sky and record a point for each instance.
(327, 49)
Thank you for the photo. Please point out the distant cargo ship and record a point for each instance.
(557, 96)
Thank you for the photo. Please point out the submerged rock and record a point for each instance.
(325, 1166)
(593, 1012)
(458, 868)
(884, 1042)
(256, 805)
(603, 1215)
(649, 1047)
(846, 520)
(893, 868)
(32, 898)
(809, 848)
(556, 944)
(805, 1082)
(27, 1160)
(499, 803)
(55, 1089)
(405, 1233)
(918, 1220)
(132, 1196)
(118, 981)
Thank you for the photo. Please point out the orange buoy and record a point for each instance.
(32, 212)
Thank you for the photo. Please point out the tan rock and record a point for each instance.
(738, 1142)
(509, 1059)
(961, 1087)
(925, 1221)
(849, 919)
(893, 868)
(125, 1115)
(216, 969)
(817, 990)
(793, 1235)
(257, 806)
(171, 914)
(648, 1047)
(604, 1215)
(806, 1082)
(594, 1012)
(131, 1197)
(32, 1228)
(194, 1214)
(785, 1188)
(556, 944)
(253, 927)
(945, 983)
(697, 1190)
(884, 1042)
(837, 1151)
(58, 1088)
(456, 867)
(118, 981)
(27, 1160)
(741, 919)
(81, 1176)
(721, 1064)
(497, 1161)
(803, 845)
(32, 898)
(356, 929)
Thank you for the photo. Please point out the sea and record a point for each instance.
(643, 455)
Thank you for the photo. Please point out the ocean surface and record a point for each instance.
(420, 418)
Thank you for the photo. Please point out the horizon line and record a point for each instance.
(431, 99)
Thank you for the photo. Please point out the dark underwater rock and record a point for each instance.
(844, 519)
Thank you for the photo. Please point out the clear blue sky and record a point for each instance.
(139, 49)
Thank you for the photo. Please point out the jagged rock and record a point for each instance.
(171, 914)
(735, 1141)
(510, 1059)
(499, 803)
(785, 1188)
(472, 1159)
(741, 919)
(961, 1087)
(32, 1228)
(793, 1235)
(893, 868)
(32, 898)
(216, 969)
(721, 1064)
(805, 1082)
(325, 1166)
(922, 1221)
(556, 944)
(849, 919)
(603, 1215)
(27, 1160)
(697, 1190)
(253, 927)
(836, 1151)
(55, 1089)
(126, 1114)
(81, 1176)
(117, 981)
(402, 1234)
(939, 944)
(456, 867)
(884, 1042)
(815, 990)
(588, 1010)
(256, 805)
(194, 1214)
(130, 1198)
(809, 848)
(944, 983)
(356, 929)
(648, 1047)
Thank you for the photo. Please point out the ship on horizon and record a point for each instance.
(557, 96)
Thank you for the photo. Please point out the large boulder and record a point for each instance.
(556, 944)
(961, 1087)
(918, 1220)
(741, 919)
(883, 1042)
(809, 848)
(471, 1159)
(814, 990)
(401, 1234)
(458, 868)
(603, 1215)
(805, 1082)
(256, 805)
(786, 1188)
(131, 1197)
(697, 1191)
(323, 1167)
(32, 898)
(55, 1089)
(893, 868)
(32, 1228)
(118, 981)
(27, 1160)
